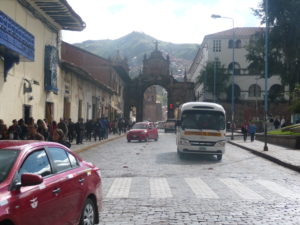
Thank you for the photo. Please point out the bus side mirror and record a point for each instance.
(178, 123)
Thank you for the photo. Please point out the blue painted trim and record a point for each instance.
(16, 38)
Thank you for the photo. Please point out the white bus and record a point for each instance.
(201, 129)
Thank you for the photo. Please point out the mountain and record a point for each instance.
(134, 45)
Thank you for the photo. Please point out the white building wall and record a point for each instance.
(244, 81)
(11, 91)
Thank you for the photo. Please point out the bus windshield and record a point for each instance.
(203, 119)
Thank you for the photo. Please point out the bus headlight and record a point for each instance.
(184, 141)
(220, 144)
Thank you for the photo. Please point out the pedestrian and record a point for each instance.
(89, 127)
(282, 122)
(63, 126)
(79, 128)
(14, 131)
(23, 126)
(276, 123)
(61, 138)
(252, 131)
(244, 129)
(3, 130)
(42, 128)
(53, 136)
(31, 129)
(71, 130)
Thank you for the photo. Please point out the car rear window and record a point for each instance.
(140, 126)
(7, 159)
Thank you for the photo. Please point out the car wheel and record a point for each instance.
(219, 157)
(88, 213)
(128, 140)
(156, 139)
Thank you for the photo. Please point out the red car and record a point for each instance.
(142, 131)
(45, 183)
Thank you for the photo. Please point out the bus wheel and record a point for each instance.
(219, 157)
(180, 154)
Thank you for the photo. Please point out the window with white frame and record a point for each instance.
(217, 46)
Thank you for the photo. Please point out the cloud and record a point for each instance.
(177, 21)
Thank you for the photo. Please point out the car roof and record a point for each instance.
(144, 122)
(22, 144)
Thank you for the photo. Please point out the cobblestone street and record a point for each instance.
(146, 183)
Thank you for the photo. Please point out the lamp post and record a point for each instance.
(214, 16)
(266, 74)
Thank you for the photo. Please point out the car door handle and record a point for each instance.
(56, 190)
(81, 180)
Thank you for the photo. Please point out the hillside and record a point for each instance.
(134, 45)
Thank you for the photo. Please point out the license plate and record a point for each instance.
(202, 149)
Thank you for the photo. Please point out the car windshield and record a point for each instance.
(140, 126)
(203, 119)
(7, 159)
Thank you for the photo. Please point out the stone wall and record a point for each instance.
(288, 141)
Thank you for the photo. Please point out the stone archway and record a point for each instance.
(156, 71)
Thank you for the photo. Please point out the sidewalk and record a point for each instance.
(286, 157)
(91, 144)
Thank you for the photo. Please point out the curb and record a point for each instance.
(96, 144)
(271, 158)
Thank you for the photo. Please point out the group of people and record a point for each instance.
(64, 131)
(249, 128)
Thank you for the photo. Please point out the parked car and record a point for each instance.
(46, 183)
(142, 131)
(170, 126)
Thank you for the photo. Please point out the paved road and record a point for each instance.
(146, 183)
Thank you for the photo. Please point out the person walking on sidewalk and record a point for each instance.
(252, 131)
(245, 130)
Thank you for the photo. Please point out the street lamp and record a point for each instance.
(266, 73)
(214, 16)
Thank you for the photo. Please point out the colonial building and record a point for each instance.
(43, 77)
(249, 88)
(29, 57)
(101, 93)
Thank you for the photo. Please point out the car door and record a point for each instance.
(72, 186)
(35, 204)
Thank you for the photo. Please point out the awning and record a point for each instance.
(59, 10)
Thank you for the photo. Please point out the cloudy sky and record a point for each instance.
(177, 21)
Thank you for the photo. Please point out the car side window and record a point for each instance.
(36, 163)
(73, 160)
(60, 159)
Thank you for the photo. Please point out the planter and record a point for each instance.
(288, 141)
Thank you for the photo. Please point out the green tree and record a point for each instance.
(206, 77)
(284, 41)
(295, 106)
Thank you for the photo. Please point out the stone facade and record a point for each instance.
(156, 71)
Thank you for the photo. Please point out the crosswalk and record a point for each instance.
(196, 187)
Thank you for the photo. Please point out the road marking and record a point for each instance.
(159, 188)
(200, 189)
(241, 189)
(278, 189)
(119, 188)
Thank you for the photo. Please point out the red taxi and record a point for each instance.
(142, 131)
(46, 183)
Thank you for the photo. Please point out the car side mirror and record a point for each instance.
(29, 179)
